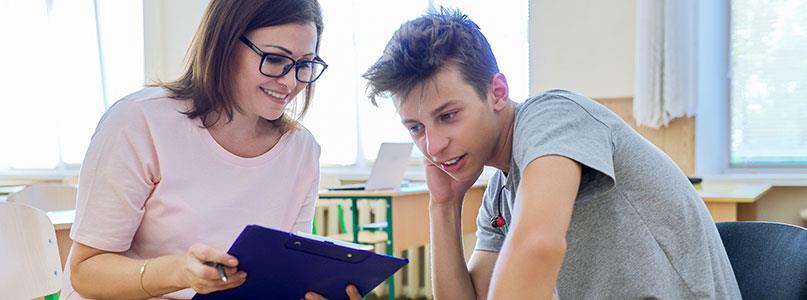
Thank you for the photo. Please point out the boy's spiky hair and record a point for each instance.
(422, 47)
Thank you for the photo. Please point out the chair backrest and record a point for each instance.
(47, 197)
(769, 259)
(29, 256)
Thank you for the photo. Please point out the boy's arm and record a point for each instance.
(532, 254)
(481, 267)
(452, 278)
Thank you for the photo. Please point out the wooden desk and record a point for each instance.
(409, 212)
(6, 190)
(62, 219)
(732, 201)
(16, 182)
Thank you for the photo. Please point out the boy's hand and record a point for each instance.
(351, 291)
(444, 188)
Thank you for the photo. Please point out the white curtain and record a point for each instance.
(665, 86)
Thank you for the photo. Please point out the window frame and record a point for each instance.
(116, 73)
(713, 121)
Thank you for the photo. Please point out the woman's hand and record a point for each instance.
(203, 278)
(352, 293)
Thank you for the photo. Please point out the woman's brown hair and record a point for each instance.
(208, 76)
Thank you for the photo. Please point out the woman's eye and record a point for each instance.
(304, 66)
(276, 60)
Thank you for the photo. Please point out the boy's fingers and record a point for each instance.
(313, 296)
(353, 292)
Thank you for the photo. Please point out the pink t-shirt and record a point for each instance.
(154, 183)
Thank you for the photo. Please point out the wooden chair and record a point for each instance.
(31, 266)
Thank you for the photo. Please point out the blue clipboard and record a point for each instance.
(282, 265)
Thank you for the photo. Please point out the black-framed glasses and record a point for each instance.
(278, 65)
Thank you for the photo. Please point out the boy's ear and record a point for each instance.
(499, 91)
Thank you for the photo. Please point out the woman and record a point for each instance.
(175, 171)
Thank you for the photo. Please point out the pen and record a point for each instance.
(220, 269)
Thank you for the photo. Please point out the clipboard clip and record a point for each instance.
(326, 248)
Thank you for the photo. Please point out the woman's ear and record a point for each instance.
(499, 91)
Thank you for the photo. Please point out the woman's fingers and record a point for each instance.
(211, 254)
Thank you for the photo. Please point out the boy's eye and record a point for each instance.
(447, 116)
(414, 129)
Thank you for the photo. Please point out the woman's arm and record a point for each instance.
(100, 274)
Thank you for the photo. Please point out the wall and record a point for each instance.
(677, 140)
(169, 29)
(588, 46)
(582, 45)
(783, 204)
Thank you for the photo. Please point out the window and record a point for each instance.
(768, 85)
(349, 128)
(74, 58)
(67, 60)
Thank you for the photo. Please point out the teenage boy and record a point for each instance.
(580, 201)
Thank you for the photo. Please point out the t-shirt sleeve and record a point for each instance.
(119, 173)
(489, 238)
(305, 218)
(556, 125)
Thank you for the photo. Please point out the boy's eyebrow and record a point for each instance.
(441, 108)
(435, 112)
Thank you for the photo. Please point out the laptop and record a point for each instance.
(388, 169)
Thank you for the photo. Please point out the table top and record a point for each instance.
(711, 192)
(734, 192)
(10, 189)
(62, 219)
(408, 190)
(418, 188)
(16, 182)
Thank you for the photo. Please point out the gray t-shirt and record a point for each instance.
(638, 229)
